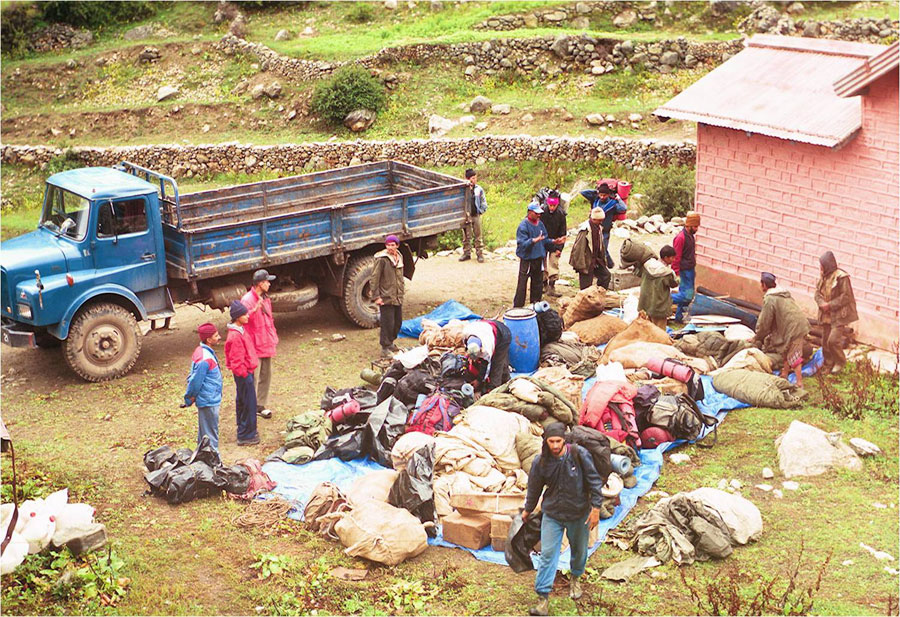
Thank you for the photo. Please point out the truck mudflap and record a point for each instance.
(16, 338)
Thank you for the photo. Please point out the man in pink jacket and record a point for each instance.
(261, 329)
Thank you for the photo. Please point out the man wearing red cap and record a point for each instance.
(387, 289)
(261, 329)
(554, 219)
(204, 384)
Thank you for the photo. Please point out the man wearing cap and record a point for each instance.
(487, 345)
(554, 219)
(571, 486)
(837, 310)
(588, 256)
(261, 329)
(684, 264)
(387, 288)
(657, 279)
(241, 360)
(476, 205)
(781, 327)
(204, 384)
(612, 205)
(532, 245)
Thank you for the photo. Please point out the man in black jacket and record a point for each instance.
(571, 503)
(554, 219)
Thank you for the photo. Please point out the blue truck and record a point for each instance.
(119, 245)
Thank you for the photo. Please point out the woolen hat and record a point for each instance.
(262, 275)
(597, 214)
(767, 279)
(392, 238)
(206, 330)
(692, 218)
(237, 309)
(473, 346)
(557, 429)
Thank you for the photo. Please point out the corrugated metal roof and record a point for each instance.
(871, 70)
(779, 86)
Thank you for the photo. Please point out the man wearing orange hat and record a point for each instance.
(685, 263)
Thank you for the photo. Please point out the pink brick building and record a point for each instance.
(797, 153)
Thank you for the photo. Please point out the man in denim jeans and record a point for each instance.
(572, 501)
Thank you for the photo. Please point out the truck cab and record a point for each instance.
(93, 268)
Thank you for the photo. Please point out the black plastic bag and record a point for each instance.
(346, 446)
(413, 489)
(550, 326)
(332, 398)
(180, 485)
(205, 453)
(234, 479)
(375, 438)
(184, 456)
(157, 478)
(154, 459)
(411, 385)
(597, 444)
(521, 540)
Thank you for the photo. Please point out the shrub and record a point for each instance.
(69, 159)
(81, 13)
(861, 390)
(18, 21)
(667, 190)
(351, 87)
(360, 13)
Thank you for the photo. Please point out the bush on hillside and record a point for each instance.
(360, 13)
(85, 14)
(667, 190)
(351, 87)
(18, 21)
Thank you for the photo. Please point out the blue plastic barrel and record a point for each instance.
(525, 348)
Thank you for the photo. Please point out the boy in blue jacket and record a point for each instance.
(532, 245)
(204, 384)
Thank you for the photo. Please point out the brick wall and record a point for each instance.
(776, 205)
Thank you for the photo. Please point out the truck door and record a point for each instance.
(126, 244)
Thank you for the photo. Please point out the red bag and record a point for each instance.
(620, 188)
(670, 367)
(436, 413)
(608, 408)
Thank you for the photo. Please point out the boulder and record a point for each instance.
(805, 450)
(795, 8)
(500, 109)
(530, 21)
(625, 19)
(560, 46)
(595, 119)
(272, 90)
(166, 92)
(581, 23)
(258, 91)
(635, 118)
(811, 29)
(390, 5)
(283, 35)
(359, 120)
(471, 71)
(863, 447)
(438, 126)
(555, 16)
(582, 8)
(670, 58)
(480, 104)
(139, 32)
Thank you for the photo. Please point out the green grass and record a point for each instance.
(833, 11)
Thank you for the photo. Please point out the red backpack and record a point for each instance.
(615, 419)
(436, 413)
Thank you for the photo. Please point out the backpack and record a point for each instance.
(646, 397)
(305, 429)
(618, 421)
(325, 499)
(436, 413)
(453, 365)
(680, 417)
(550, 326)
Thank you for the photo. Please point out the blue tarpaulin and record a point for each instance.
(451, 309)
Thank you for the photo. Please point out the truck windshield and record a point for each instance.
(65, 213)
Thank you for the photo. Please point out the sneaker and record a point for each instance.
(386, 352)
(542, 607)
(481, 259)
(465, 257)
(248, 442)
(575, 590)
(264, 413)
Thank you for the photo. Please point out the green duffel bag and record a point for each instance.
(305, 429)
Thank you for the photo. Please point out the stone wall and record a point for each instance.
(544, 55)
(188, 161)
(571, 15)
(769, 20)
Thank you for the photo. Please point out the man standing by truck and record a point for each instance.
(240, 358)
(387, 288)
(476, 205)
(261, 329)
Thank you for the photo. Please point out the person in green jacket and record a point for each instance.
(781, 327)
(387, 289)
(657, 280)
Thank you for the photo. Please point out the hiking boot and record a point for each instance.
(249, 442)
(394, 348)
(465, 257)
(264, 413)
(481, 259)
(542, 607)
(575, 590)
(386, 352)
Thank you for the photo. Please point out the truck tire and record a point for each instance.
(355, 301)
(104, 342)
(303, 297)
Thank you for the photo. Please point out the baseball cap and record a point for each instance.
(535, 207)
(262, 275)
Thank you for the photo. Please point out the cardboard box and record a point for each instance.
(466, 530)
(500, 524)
(487, 503)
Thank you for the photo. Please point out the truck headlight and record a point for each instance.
(24, 310)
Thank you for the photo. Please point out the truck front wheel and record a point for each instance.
(357, 302)
(104, 342)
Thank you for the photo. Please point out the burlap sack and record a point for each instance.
(598, 330)
(587, 303)
(566, 383)
(381, 532)
(641, 329)
(373, 486)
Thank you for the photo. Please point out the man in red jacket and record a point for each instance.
(240, 358)
(261, 329)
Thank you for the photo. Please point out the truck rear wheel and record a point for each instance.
(356, 301)
(104, 342)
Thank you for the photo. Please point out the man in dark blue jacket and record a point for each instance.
(532, 245)
(572, 501)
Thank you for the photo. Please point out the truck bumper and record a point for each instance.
(16, 338)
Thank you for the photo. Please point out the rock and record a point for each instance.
(500, 109)
(466, 120)
(471, 71)
(595, 119)
(166, 92)
(626, 47)
(81, 539)
(776, 493)
(679, 458)
(480, 104)
(250, 161)
(795, 8)
(657, 219)
(847, 562)
(863, 447)
(597, 70)
(767, 473)
(567, 116)
(283, 35)
(149, 54)
(481, 126)
(722, 7)
(71, 63)
(390, 5)
(764, 487)
(560, 46)
(805, 450)
(610, 118)
(723, 484)
(438, 126)
(582, 23)
(258, 91)
(273, 90)
(479, 162)
(527, 118)
(530, 21)
(139, 32)
(309, 31)
(359, 120)
(625, 19)
(650, 227)
(811, 29)
(790, 485)
(337, 337)
(555, 16)
(736, 484)
(55, 132)
(690, 61)
(670, 58)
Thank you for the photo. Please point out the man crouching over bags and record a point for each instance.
(571, 503)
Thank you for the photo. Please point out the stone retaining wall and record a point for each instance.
(188, 161)
(545, 55)
(769, 20)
